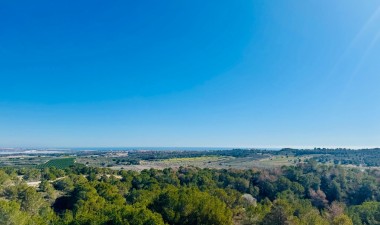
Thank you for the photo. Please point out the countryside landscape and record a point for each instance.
(170, 112)
(236, 186)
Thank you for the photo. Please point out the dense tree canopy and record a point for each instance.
(304, 194)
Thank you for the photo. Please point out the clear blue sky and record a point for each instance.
(190, 73)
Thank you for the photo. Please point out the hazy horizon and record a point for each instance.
(183, 147)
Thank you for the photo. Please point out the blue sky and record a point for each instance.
(190, 73)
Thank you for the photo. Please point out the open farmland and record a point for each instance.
(215, 162)
(59, 163)
(22, 160)
(218, 159)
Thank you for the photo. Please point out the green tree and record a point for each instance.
(190, 206)
(10, 214)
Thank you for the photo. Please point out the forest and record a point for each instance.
(308, 193)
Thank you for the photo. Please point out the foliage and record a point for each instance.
(305, 194)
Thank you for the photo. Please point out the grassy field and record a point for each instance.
(193, 159)
(281, 161)
(216, 162)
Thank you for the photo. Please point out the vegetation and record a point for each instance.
(318, 186)
(217, 158)
(59, 163)
(361, 157)
(308, 193)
